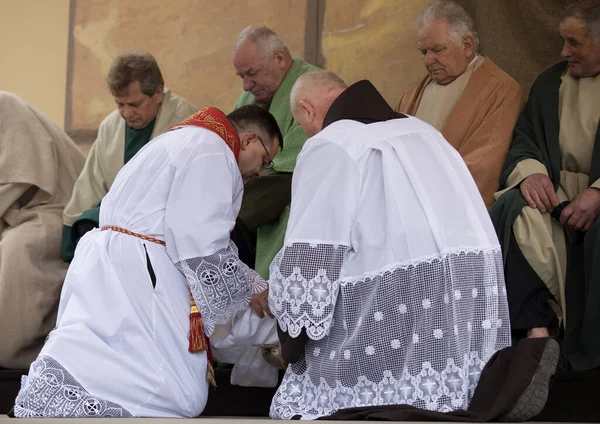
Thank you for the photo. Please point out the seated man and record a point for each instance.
(465, 96)
(551, 250)
(145, 109)
(389, 289)
(268, 73)
(120, 344)
(39, 164)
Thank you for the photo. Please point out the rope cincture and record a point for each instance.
(131, 233)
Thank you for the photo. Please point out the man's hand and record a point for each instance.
(260, 304)
(583, 210)
(538, 191)
(284, 363)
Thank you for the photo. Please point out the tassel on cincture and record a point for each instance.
(197, 338)
(199, 341)
(211, 375)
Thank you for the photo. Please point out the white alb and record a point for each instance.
(392, 267)
(121, 342)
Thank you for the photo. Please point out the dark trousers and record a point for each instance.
(264, 200)
(527, 294)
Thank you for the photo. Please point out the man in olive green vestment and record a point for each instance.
(268, 73)
(547, 214)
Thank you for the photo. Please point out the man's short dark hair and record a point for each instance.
(254, 116)
(134, 66)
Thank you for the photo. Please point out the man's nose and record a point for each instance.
(428, 59)
(566, 50)
(128, 111)
(248, 84)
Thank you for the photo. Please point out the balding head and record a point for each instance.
(312, 96)
(265, 38)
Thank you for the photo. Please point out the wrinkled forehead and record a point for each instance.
(434, 32)
(249, 56)
(132, 93)
(573, 28)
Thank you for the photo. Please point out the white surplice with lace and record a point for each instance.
(392, 267)
(120, 347)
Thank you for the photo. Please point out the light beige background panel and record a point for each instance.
(520, 36)
(35, 37)
(191, 40)
(375, 40)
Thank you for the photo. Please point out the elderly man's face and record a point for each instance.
(579, 49)
(260, 75)
(444, 59)
(136, 108)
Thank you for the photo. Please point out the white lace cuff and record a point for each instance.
(219, 284)
(257, 283)
(304, 287)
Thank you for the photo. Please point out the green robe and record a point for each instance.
(271, 235)
(134, 141)
(536, 137)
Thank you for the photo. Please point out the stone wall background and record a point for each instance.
(372, 39)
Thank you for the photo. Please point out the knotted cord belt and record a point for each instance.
(198, 340)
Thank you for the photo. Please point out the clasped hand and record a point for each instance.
(580, 214)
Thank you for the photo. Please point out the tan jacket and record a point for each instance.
(481, 125)
(39, 164)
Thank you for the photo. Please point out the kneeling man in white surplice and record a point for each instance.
(389, 289)
(161, 268)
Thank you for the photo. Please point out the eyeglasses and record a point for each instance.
(270, 164)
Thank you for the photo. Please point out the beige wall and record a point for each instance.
(35, 36)
(372, 39)
(359, 39)
(190, 39)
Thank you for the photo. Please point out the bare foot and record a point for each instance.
(272, 356)
(537, 333)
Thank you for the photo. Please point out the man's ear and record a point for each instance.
(244, 140)
(307, 108)
(159, 93)
(469, 46)
(280, 59)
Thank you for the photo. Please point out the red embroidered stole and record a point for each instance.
(214, 120)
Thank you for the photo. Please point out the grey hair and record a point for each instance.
(322, 82)
(460, 22)
(263, 37)
(589, 12)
